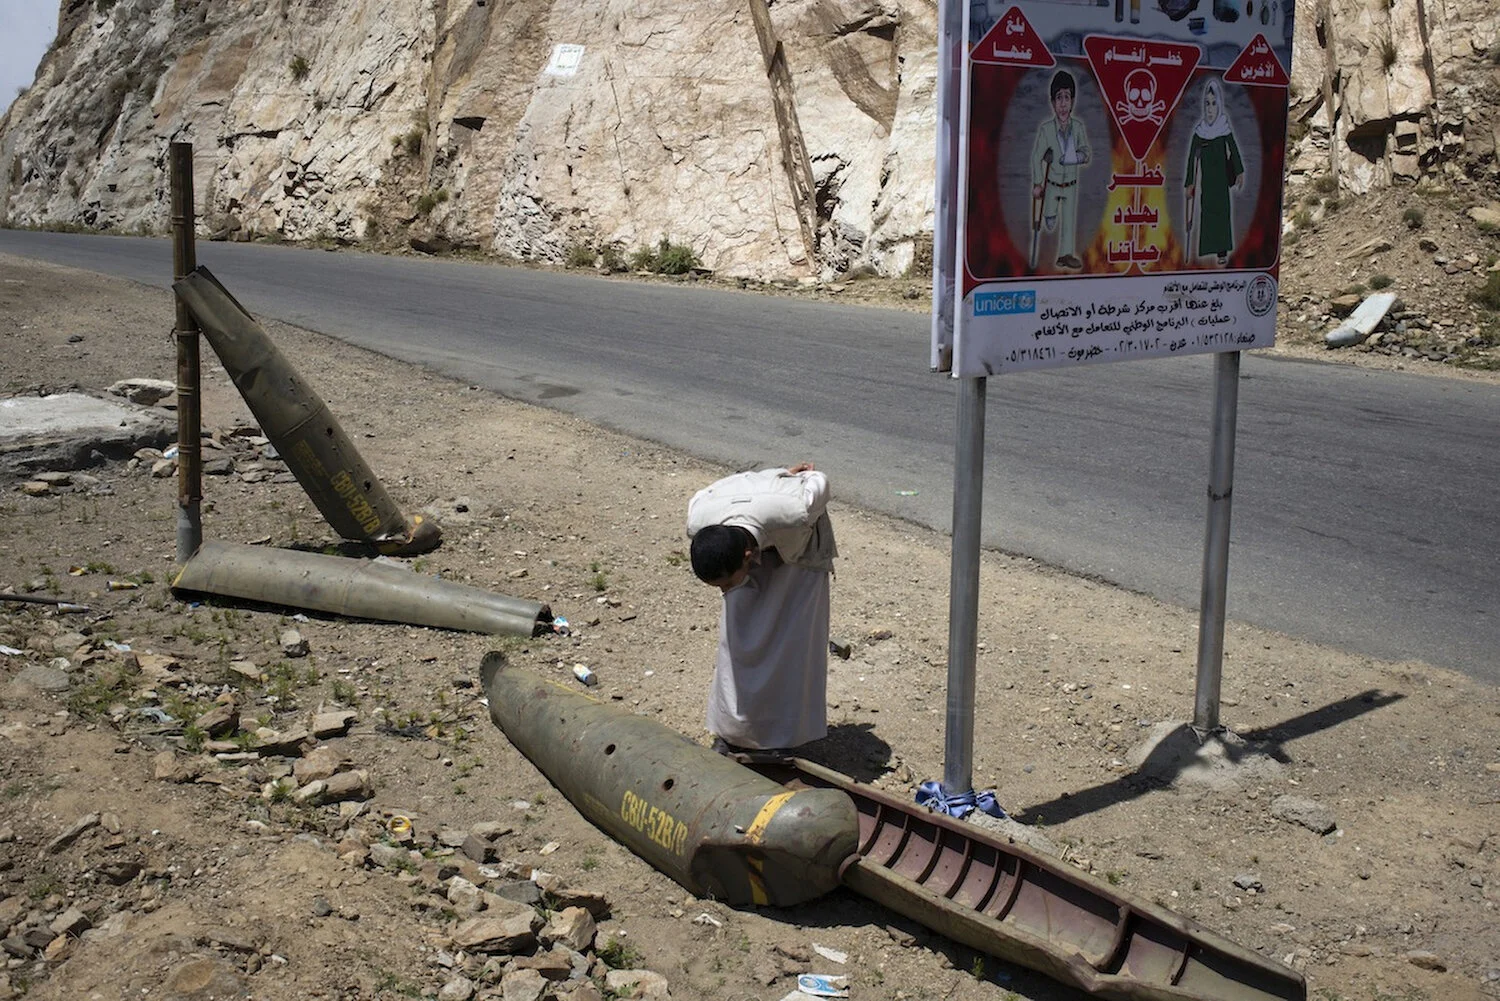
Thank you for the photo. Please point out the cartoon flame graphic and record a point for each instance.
(1126, 199)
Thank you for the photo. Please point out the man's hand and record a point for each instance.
(801, 467)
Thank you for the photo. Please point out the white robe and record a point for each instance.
(770, 682)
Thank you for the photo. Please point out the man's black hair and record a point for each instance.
(1062, 80)
(718, 551)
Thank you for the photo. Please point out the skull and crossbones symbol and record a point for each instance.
(1140, 104)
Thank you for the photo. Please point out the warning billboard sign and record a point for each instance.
(1119, 181)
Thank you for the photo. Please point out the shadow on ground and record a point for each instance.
(1168, 758)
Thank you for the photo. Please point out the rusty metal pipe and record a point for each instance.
(300, 425)
(63, 604)
(357, 588)
(189, 399)
(714, 826)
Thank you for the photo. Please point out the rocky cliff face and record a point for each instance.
(1394, 90)
(773, 139)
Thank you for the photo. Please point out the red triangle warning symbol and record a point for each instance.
(1257, 66)
(1142, 82)
(1012, 42)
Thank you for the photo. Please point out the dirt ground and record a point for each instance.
(132, 866)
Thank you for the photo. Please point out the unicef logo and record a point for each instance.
(1260, 296)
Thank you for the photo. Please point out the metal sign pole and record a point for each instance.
(945, 204)
(963, 588)
(189, 402)
(1216, 543)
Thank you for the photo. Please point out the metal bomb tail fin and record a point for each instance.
(1032, 910)
(300, 425)
(714, 826)
(358, 588)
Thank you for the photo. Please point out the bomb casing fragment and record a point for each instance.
(297, 421)
(714, 826)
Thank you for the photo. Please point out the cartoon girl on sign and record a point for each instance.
(1214, 166)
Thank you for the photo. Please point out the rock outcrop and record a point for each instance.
(1397, 90)
(793, 138)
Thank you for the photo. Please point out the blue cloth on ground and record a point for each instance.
(932, 795)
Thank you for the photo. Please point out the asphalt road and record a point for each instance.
(1364, 511)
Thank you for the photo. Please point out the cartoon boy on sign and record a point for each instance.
(1060, 148)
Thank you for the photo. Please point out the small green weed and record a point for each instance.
(1380, 281)
(431, 200)
(91, 700)
(580, 255)
(666, 258)
(1488, 294)
(299, 68)
(193, 738)
(409, 142)
(643, 258)
(618, 955)
(610, 258)
(44, 887)
(387, 982)
(675, 258)
(1413, 217)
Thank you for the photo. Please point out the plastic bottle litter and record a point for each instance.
(823, 986)
(585, 674)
